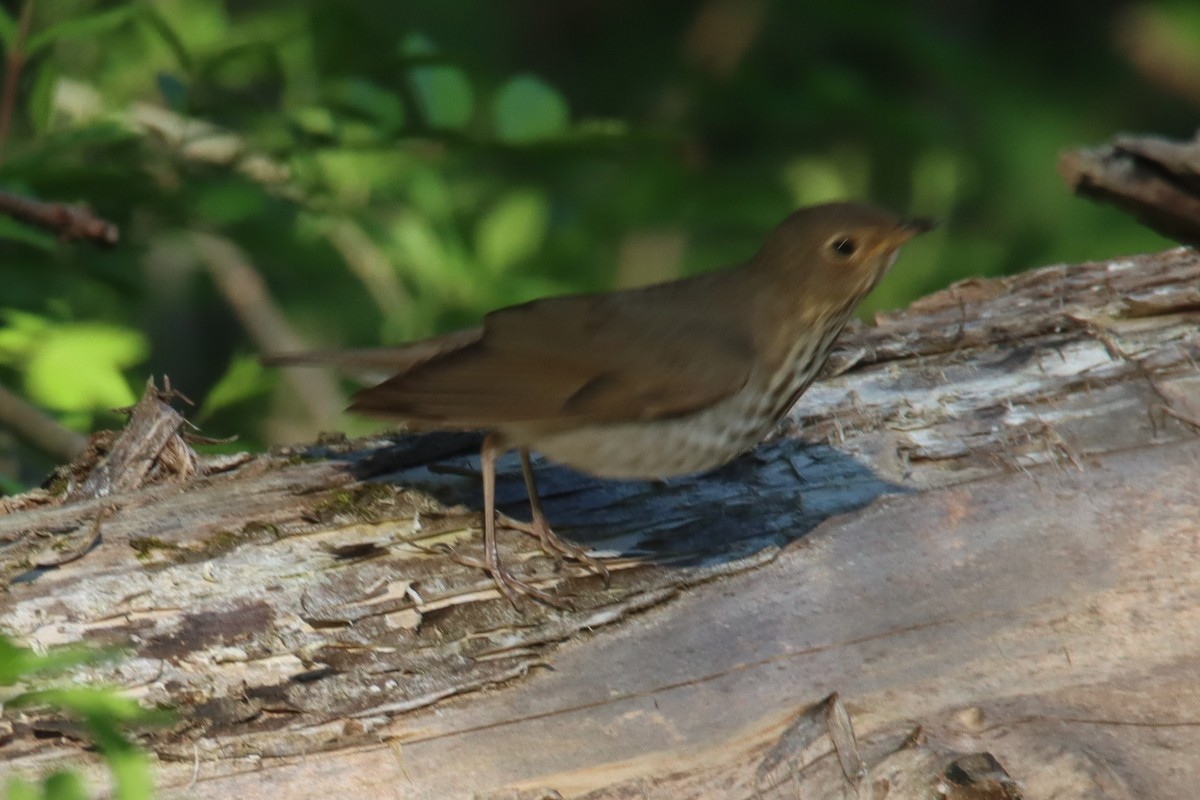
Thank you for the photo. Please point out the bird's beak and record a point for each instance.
(914, 226)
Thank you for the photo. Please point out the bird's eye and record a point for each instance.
(843, 245)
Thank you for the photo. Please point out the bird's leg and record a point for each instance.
(539, 528)
(509, 585)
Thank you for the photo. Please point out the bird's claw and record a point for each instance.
(556, 547)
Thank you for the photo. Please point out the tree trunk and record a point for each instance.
(982, 533)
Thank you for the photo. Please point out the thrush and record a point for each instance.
(646, 383)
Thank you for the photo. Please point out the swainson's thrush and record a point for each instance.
(646, 383)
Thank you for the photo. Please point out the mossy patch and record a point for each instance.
(370, 503)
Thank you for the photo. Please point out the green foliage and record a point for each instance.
(104, 714)
(396, 170)
(513, 230)
(245, 379)
(529, 110)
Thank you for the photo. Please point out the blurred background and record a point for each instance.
(353, 172)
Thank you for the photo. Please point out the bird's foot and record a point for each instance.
(556, 547)
(513, 587)
(510, 586)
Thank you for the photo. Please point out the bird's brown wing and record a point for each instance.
(636, 355)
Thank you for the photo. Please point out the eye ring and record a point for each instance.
(843, 245)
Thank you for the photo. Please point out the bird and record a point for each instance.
(646, 383)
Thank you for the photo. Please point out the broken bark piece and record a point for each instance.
(1156, 180)
(149, 449)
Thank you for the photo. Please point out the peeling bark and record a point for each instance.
(981, 523)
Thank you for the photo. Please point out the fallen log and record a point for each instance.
(979, 530)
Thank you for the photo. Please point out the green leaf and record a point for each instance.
(512, 231)
(131, 773)
(419, 244)
(41, 99)
(8, 28)
(444, 94)
(104, 713)
(229, 202)
(20, 335)
(527, 109)
(416, 45)
(85, 27)
(314, 120)
(64, 785)
(77, 367)
(11, 486)
(17, 789)
(89, 703)
(22, 663)
(370, 100)
(15, 231)
(429, 192)
(244, 379)
(156, 22)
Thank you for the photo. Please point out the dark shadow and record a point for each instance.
(772, 495)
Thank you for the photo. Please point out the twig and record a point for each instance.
(67, 222)
(38, 429)
(12, 73)
(247, 294)
(80, 549)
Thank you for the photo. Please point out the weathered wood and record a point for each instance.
(985, 525)
(1156, 180)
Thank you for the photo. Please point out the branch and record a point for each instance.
(247, 294)
(12, 73)
(69, 223)
(1156, 180)
(38, 429)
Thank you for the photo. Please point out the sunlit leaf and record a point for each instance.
(419, 243)
(104, 713)
(18, 789)
(65, 785)
(428, 191)
(314, 120)
(77, 367)
(512, 231)
(21, 333)
(527, 109)
(157, 23)
(244, 379)
(19, 663)
(131, 773)
(81, 27)
(89, 702)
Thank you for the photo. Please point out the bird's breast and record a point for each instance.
(689, 443)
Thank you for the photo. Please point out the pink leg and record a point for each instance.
(551, 544)
(505, 581)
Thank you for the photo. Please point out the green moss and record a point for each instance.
(371, 502)
(261, 530)
(220, 542)
(147, 546)
(59, 482)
